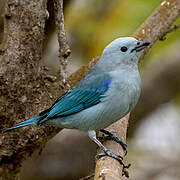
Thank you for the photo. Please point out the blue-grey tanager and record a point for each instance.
(109, 91)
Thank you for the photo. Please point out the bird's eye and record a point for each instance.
(138, 43)
(124, 49)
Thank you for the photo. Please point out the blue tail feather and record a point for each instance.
(25, 123)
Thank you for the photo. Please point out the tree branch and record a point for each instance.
(152, 29)
(64, 50)
(159, 22)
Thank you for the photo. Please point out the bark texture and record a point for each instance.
(154, 28)
(24, 84)
(64, 50)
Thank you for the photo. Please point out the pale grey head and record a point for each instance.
(125, 50)
(120, 52)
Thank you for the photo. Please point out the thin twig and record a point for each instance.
(169, 31)
(64, 50)
(174, 28)
(87, 177)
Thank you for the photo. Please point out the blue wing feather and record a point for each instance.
(84, 95)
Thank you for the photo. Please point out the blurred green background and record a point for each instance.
(153, 136)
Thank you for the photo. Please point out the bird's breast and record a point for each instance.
(125, 89)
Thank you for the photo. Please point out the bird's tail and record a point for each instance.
(25, 123)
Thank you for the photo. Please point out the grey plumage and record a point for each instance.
(122, 94)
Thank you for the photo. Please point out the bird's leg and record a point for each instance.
(92, 135)
(111, 136)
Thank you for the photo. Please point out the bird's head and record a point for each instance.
(124, 50)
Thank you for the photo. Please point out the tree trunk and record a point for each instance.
(24, 86)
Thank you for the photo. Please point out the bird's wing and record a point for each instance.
(87, 93)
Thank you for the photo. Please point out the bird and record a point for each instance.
(108, 92)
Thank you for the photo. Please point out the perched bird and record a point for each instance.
(109, 91)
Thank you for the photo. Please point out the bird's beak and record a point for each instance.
(141, 45)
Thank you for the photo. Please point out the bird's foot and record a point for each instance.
(110, 154)
(111, 136)
(118, 158)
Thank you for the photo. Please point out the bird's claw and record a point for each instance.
(110, 154)
(118, 158)
(125, 171)
(124, 146)
(111, 136)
